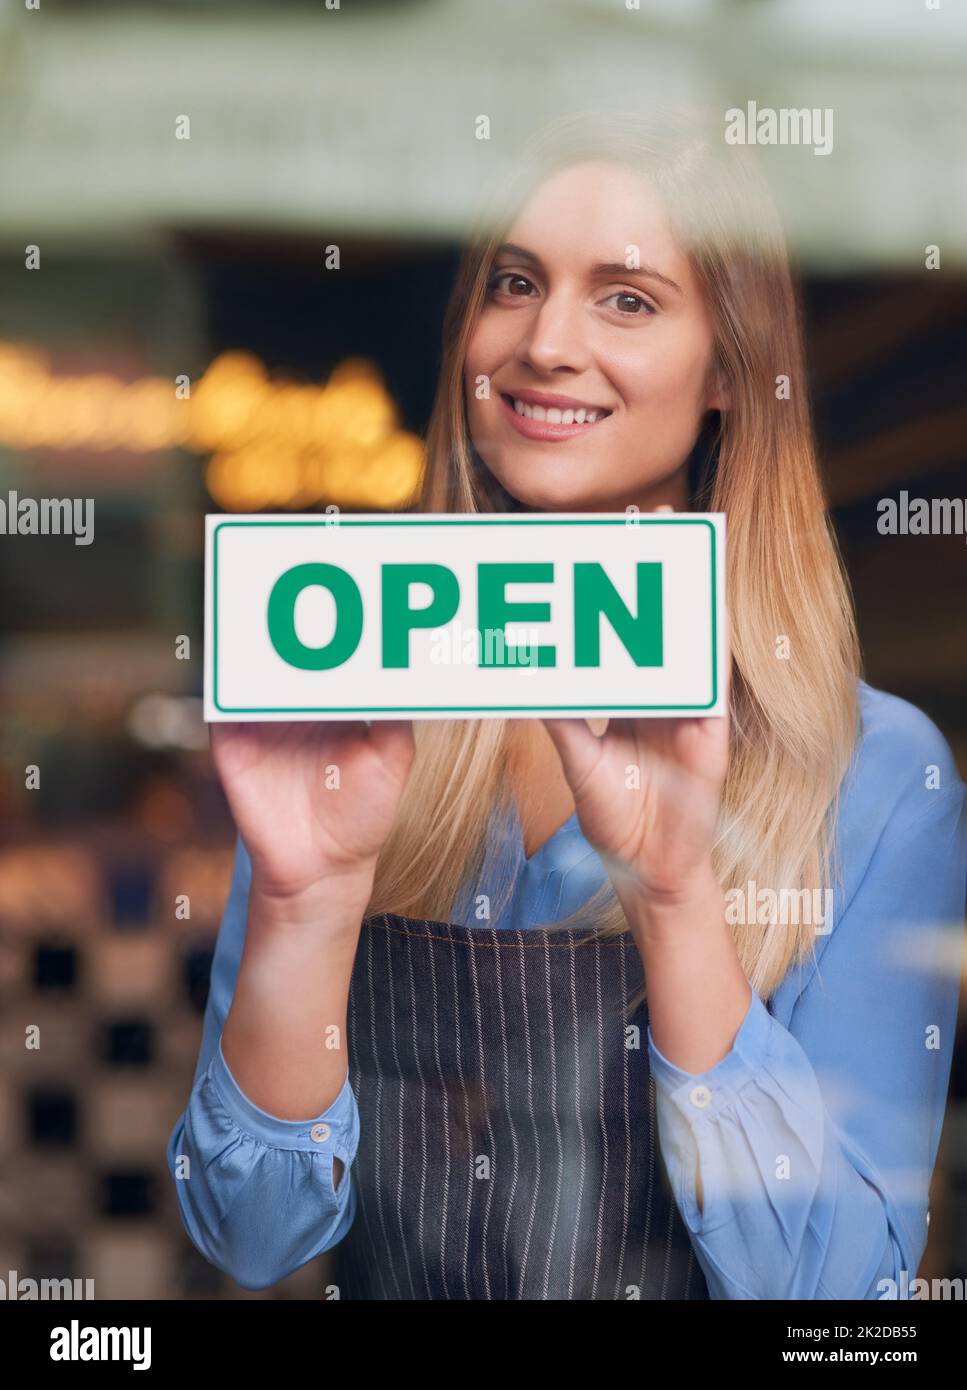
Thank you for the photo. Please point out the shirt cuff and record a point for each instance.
(705, 1093)
(332, 1132)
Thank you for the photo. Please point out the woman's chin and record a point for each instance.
(545, 495)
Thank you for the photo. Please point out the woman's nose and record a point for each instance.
(555, 337)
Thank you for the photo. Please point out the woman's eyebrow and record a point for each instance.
(649, 273)
(602, 267)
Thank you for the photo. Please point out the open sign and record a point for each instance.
(448, 616)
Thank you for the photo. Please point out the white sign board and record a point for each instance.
(449, 616)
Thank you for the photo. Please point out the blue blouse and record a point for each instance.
(815, 1135)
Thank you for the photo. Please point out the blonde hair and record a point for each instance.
(793, 722)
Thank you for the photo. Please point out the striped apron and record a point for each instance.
(508, 1141)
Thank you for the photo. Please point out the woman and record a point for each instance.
(426, 1043)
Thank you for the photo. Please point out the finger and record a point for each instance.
(577, 747)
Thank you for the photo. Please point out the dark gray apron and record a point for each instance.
(508, 1142)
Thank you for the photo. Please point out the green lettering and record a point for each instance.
(281, 617)
(494, 612)
(399, 618)
(595, 595)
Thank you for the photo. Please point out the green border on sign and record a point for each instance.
(460, 521)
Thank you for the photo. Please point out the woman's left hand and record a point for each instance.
(648, 793)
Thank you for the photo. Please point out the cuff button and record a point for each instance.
(319, 1133)
(700, 1096)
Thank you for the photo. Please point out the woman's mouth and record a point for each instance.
(550, 422)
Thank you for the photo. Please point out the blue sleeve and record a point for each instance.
(256, 1192)
(816, 1142)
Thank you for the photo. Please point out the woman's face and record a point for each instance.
(567, 330)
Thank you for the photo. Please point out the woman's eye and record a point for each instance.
(630, 305)
(515, 280)
(518, 286)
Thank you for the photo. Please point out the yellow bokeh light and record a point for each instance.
(273, 443)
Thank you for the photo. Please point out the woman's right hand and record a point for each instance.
(312, 800)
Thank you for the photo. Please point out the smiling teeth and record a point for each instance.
(553, 416)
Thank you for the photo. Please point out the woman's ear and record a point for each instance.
(719, 397)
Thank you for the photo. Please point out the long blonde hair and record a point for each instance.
(793, 721)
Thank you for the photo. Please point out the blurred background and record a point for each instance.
(173, 180)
